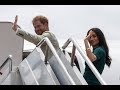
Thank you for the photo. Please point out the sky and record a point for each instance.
(67, 21)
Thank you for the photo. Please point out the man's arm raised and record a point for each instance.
(14, 27)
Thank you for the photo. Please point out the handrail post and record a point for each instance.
(10, 57)
(46, 55)
(66, 44)
(73, 55)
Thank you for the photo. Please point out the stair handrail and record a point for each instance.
(89, 63)
(48, 42)
(9, 58)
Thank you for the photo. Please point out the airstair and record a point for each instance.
(60, 69)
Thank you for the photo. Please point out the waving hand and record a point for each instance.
(14, 27)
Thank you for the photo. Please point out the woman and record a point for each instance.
(99, 56)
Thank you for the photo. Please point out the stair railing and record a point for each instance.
(9, 59)
(89, 63)
(48, 42)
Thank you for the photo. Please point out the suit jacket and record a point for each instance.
(35, 39)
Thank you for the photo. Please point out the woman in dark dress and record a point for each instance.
(99, 56)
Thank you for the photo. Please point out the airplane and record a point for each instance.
(22, 63)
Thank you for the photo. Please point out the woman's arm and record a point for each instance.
(89, 53)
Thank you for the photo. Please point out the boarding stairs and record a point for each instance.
(60, 69)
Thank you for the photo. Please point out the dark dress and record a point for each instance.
(99, 63)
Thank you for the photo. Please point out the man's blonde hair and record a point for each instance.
(40, 18)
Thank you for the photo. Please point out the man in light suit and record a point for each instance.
(41, 26)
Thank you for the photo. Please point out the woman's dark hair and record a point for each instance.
(102, 42)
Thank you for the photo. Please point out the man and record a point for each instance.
(41, 26)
